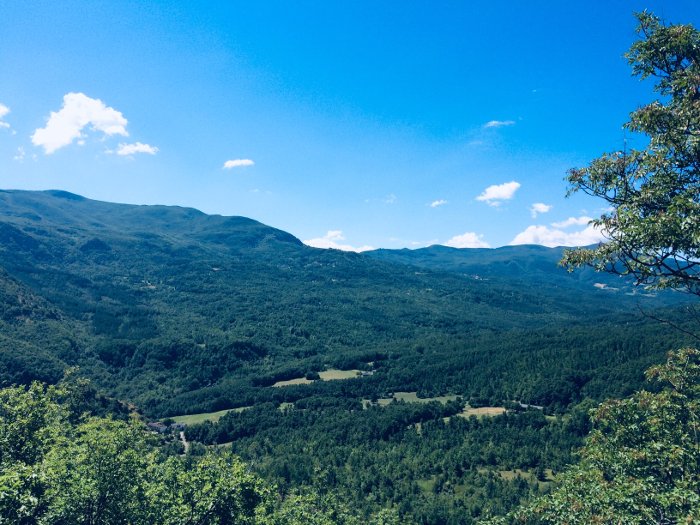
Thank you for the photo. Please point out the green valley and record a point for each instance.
(177, 312)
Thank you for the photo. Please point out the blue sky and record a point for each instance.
(349, 124)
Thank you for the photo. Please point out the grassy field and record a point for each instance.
(193, 419)
(510, 475)
(334, 374)
(482, 411)
(327, 375)
(295, 381)
(478, 412)
(408, 397)
(427, 485)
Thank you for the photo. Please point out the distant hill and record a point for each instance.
(179, 311)
(526, 264)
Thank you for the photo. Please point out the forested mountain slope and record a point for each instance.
(178, 311)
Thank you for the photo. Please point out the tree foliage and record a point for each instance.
(58, 467)
(653, 226)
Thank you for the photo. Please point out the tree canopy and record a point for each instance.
(59, 466)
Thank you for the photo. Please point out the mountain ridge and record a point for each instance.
(178, 311)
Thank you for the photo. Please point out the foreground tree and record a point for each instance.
(653, 226)
(60, 465)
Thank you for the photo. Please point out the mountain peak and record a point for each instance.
(59, 209)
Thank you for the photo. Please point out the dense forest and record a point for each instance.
(177, 313)
(180, 312)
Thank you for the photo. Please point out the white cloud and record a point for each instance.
(499, 123)
(136, 147)
(437, 203)
(78, 112)
(237, 163)
(496, 194)
(390, 199)
(19, 156)
(572, 221)
(556, 237)
(539, 207)
(4, 110)
(467, 240)
(332, 240)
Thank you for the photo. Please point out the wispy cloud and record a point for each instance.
(538, 208)
(78, 112)
(19, 156)
(438, 203)
(499, 123)
(495, 195)
(137, 147)
(4, 110)
(390, 199)
(333, 239)
(237, 163)
(467, 240)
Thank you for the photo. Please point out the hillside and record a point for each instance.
(526, 265)
(358, 373)
(180, 311)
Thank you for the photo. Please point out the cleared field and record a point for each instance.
(510, 475)
(295, 381)
(335, 374)
(409, 397)
(327, 375)
(427, 485)
(482, 411)
(193, 419)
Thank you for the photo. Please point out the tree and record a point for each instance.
(59, 465)
(30, 425)
(96, 475)
(315, 509)
(62, 467)
(215, 489)
(653, 226)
